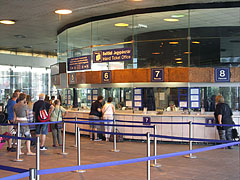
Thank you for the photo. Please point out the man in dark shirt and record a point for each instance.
(96, 114)
(43, 128)
(223, 115)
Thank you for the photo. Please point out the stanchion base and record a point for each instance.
(18, 160)
(156, 165)
(63, 153)
(190, 157)
(117, 150)
(80, 171)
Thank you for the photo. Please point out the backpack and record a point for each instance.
(234, 134)
(43, 115)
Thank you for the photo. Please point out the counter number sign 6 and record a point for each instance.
(106, 76)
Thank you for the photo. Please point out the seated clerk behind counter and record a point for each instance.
(172, 107)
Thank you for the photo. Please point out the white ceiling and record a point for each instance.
(37, 22)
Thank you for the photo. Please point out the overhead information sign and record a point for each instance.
(112, 55)
(79, 63)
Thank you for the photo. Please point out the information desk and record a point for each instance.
(179, 130)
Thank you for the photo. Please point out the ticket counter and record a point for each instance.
(178, 130)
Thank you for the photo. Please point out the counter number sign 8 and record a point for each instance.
(222, 74)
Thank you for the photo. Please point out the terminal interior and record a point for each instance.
(163, 63)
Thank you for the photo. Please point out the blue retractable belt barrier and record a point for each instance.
(17, 176)
(12, 169)
(15, 137)
(153, 122)
(129, 161)
(40, 123)
(103, 132)
(190, 139)
(206, 124)
(97, 123)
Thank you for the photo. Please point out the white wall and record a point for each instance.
(16, 60)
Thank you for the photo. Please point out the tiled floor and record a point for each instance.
(221, 164)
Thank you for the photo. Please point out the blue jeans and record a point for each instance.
(42, 129)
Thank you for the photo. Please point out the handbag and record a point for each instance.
(59, 125)
(119, 137)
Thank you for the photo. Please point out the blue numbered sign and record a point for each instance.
(157, 75)
(222, 74)
(106, 76)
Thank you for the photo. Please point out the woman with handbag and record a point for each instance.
(57, 115)
(108, 112)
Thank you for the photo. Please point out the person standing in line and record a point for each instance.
(39, 107)
(223, 115)
(31, 117)
(52, 99)
(95, 114)
(18, 93)
(57, 114)
(108, 111)
(10, 105)
(20, 115)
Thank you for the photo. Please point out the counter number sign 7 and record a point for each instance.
(157, 75)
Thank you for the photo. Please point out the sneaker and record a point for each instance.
(54, 145)
(11, 149)
(43, 148)
(97, 139)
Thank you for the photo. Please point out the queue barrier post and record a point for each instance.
(115, 138)
(64, 138)
(79, 151)
(32, 174)
(37, 157)
(155, 164)
(190, 142)
(76, 136)
(18, 144)
(148, 155)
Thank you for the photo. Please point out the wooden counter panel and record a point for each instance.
(93, 77)
(176, 74)
(201, 74)
(235, 74)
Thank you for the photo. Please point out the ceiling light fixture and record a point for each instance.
(156, 53)
(174, 42)
(178, 59)
(177, 15)
(121, 25)
(63, 11)
(7, 22)
(171, 20)
(187, 52)
(195, 42)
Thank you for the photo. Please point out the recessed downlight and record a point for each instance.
(195, 42)
(179, 62)
(155, 53)
(7, 22)
(121, 25)
(171, 20)
(63, 11)
(173, 42)
(187, 52)
(178, 59)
